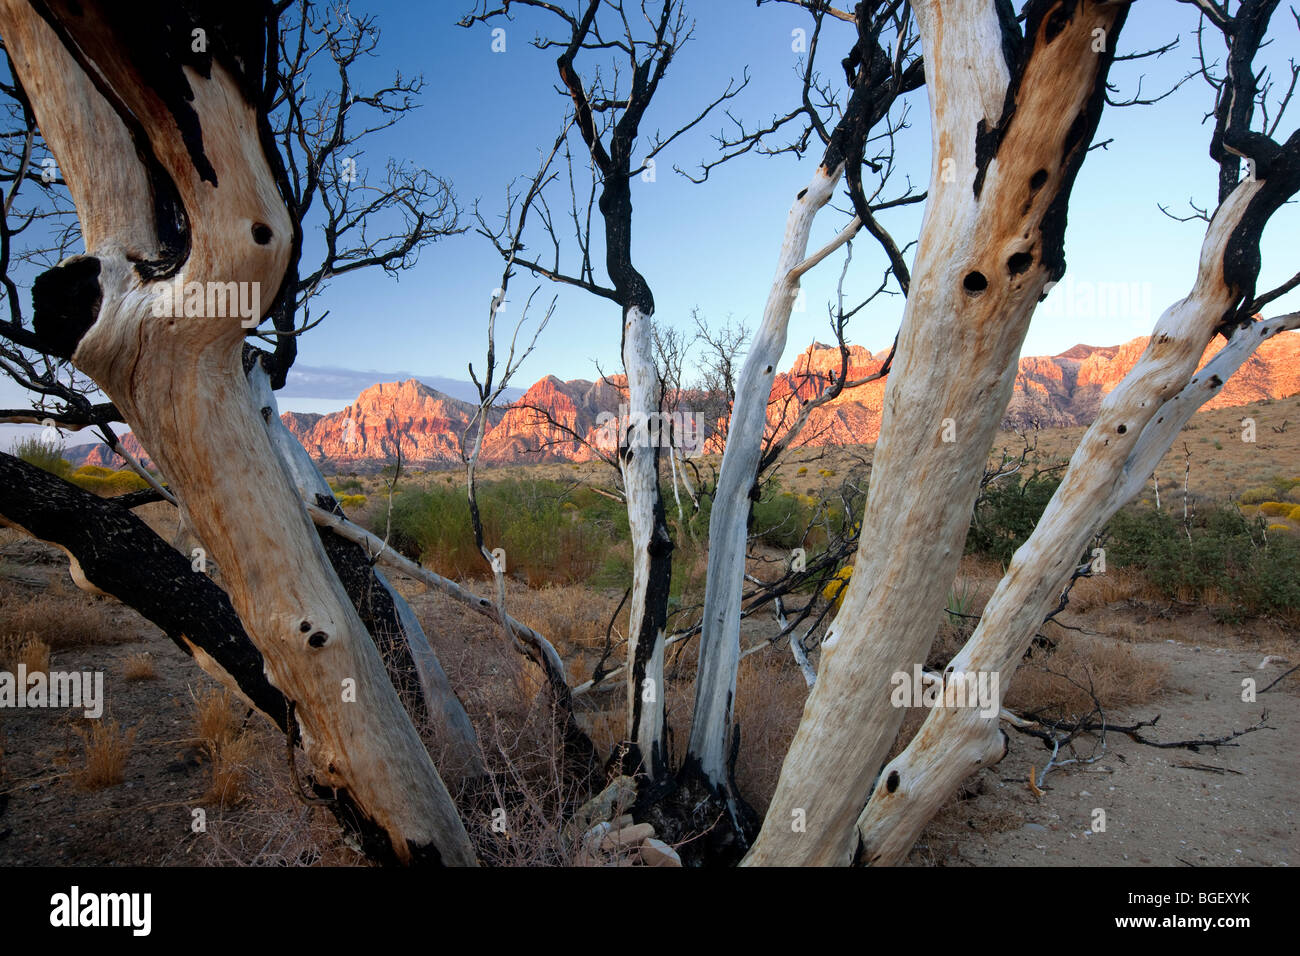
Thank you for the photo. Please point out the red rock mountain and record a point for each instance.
(543, 425)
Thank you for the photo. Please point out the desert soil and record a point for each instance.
(1232, 805)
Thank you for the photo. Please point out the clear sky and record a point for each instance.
(714, 246)
(486, 115)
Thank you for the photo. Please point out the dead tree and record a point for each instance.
(608, 119)
(1012, 115)
(1134, 429)
(182, 188)
(877, 77)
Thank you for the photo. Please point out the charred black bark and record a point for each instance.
(1280, 175)
(119, 554)
(65, 304)
(1048, 17)
(375, 606)
(160, 40)
(869, 71)
(631, 291)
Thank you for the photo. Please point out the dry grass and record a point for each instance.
(1117, 585)
(60, 618)
(232, 767)
(230, 749)
(25, 649)
(107, 750)
(215, 723)
(770, 694)
(35, 655)
(139, 667)
(1117, 674)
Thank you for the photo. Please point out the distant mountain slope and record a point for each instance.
(559, 421)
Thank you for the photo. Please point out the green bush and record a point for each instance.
(106, 482)
(1229, 560)
(343, 486)
(46, 455)
(1277, 488)
(1008, 514)
(93, 471)
(544, 541)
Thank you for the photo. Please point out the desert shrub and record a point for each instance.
(1278, 487)
(343, 486)
(1274, 509)
(1229, 560)
(544, 542)
(106, 482)
(107, 750)
(838, 586)
(1253, 496)
(46, 455)
(1278, 527)
(93, 471)
(784, 519)
(350, 501)
(139, 667)
(432, 526)
(1294, 514)
(1007, 514)
(779, 520)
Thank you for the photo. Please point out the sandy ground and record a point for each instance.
(1232, 805)
(1227, 806)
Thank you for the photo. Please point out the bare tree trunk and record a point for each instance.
(1134, 428)
(710, 745)
(652, 545)
(1011, 120)
(170, 164)
(386, 614)
(877, 81)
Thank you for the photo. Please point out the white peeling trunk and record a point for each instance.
(989, 243)
(179, 382)
(651, 548)
(440, 698)
(1134, 428)
(715, 684)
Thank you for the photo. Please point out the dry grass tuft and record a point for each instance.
(1115, 586)
(28, 649)
(1059, 686)
(229, 748)
(107, 749)
(139, 667)
(60, 618)
(35, 654)
(232, 767)
(215, 723)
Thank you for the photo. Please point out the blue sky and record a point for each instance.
(486, 115)
(714, 246)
